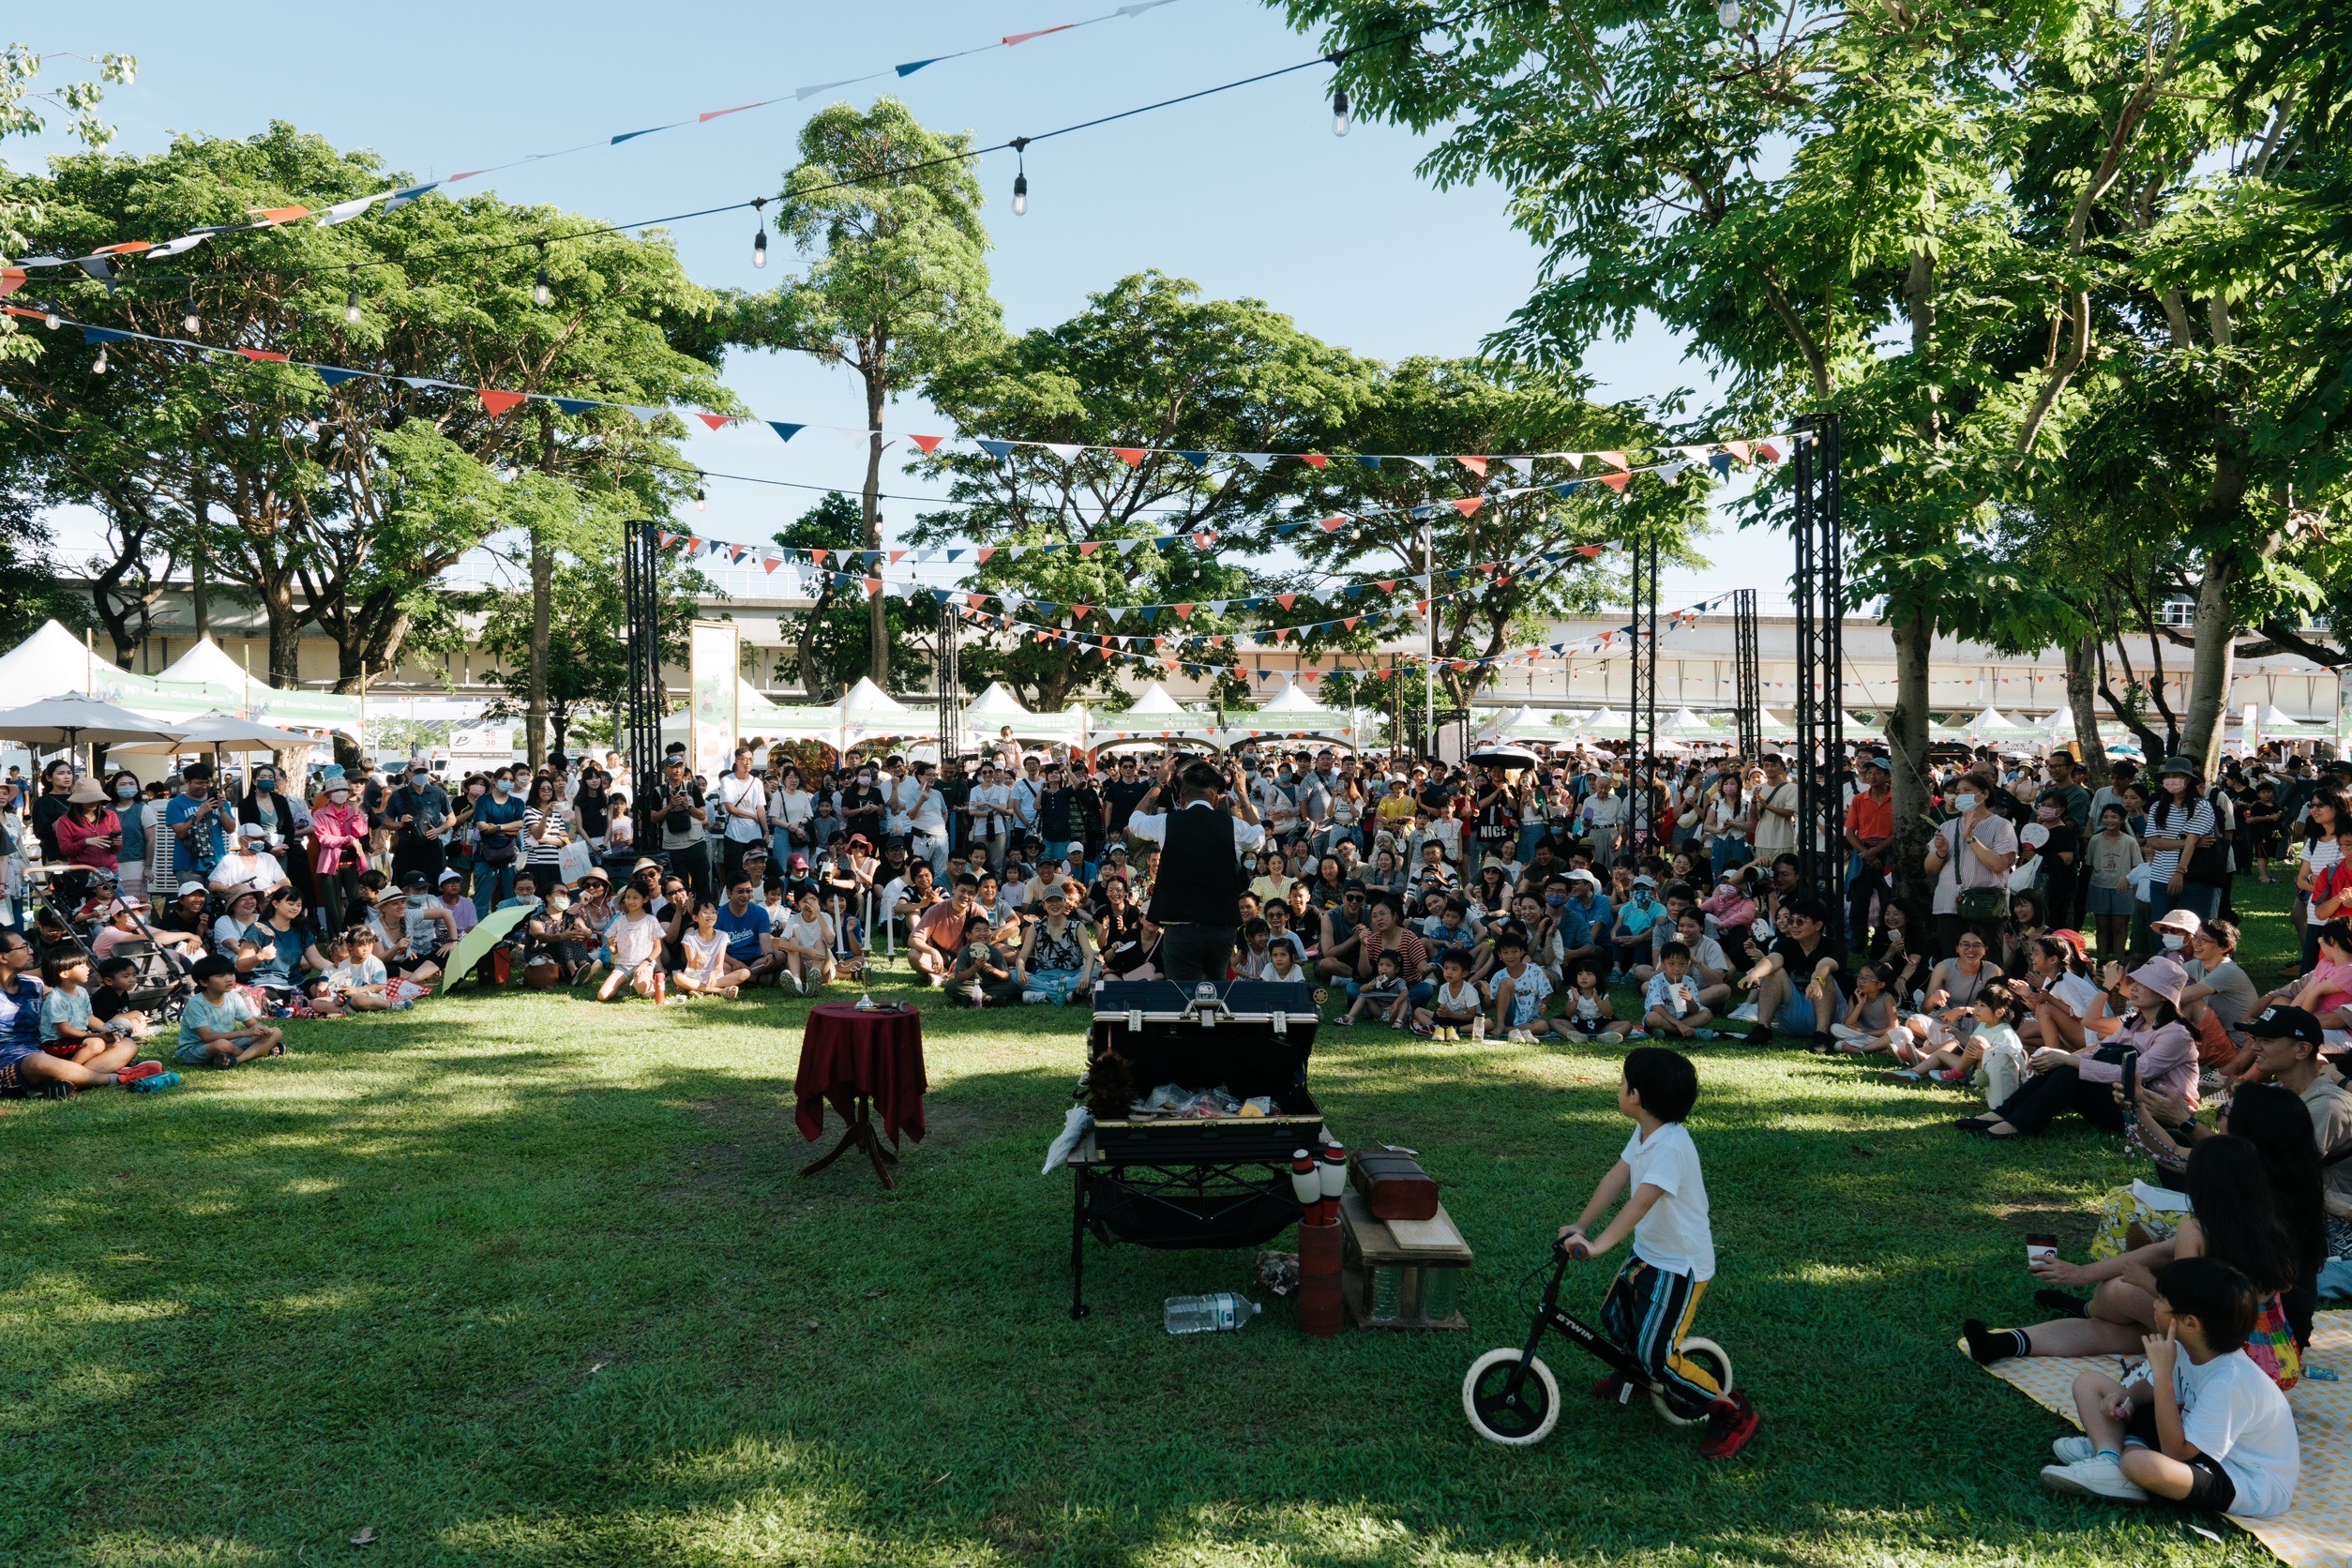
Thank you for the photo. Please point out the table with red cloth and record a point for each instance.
(865, 1062)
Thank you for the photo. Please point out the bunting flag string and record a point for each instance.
(98, 264)
(1716, 456)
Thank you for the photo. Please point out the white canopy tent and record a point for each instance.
(205, 664)
(50, 661)
(1689, 725)
(1153, 714)
(987, 717)
(1291, 711)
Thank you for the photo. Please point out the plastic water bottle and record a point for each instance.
(1211, 1314)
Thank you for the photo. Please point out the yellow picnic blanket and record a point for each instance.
(2316, 1532)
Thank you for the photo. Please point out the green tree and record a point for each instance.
(1147, 364)
(831, 643)
(335, 506)
(25, 106)
(1959, 230)
(897, 288)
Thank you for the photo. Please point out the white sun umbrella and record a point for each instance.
(218, 731)
(73, 719)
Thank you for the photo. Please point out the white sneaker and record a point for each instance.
(1745, 1012)
(2072, 1451)
(2093, 1478)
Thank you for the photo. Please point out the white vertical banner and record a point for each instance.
(2344, 710)
(713, 649)
(2250, 722)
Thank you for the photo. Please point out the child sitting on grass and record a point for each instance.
(110, 999)
(2202, 1428)
(1671, 1008)
(1992, 1042)
(67, 1030)
(1519, 988)
(359, 976)
(220, 1029)
(1653, 1298)
(1589, 1013)
(1456, 1004)
(1385, 995)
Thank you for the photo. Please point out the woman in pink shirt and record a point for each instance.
(89, 834)
(339, 826)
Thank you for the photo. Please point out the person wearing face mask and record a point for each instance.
(498, 824)
(2186, 864)
(338, 836)
(1970, 858)
(418, 815)
(2062, 857)
(130, 863)
(286, 826)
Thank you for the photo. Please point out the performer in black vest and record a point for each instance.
(1197, 897)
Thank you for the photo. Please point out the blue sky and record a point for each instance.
(1247, 193)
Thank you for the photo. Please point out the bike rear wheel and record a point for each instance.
(1716, 1360)
(1515, 1419)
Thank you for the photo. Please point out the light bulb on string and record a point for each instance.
(698, 504)
(540, 293)
(1020, 176)
(53, 321)
(97, 366)
(189, 323)
(1339, 121)
(760, 240)
(351, 307)
(1728, 13)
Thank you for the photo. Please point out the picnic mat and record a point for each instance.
(2316, 1532)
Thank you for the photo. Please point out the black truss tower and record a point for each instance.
(644, 698)
(1641, 753)
(1748, 677)
(1820, 717)
(950, 674)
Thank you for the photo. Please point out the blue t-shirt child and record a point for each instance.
(231, 1012)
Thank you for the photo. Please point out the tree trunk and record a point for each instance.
(2216, 627)
(1906, 746)
(2082, 698)
(285, 633)
(534, 718)
(876, 615)
(814, 687)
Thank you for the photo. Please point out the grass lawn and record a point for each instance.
(515, 1279)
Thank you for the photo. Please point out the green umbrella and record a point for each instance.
(479, 941)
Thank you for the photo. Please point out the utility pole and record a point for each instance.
(1429, 615)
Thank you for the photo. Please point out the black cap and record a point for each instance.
(2286, 1023)
(415, 882)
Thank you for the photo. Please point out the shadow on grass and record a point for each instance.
(518, 1281)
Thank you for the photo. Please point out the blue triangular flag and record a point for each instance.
(913, 66)
(336, 376)
(1720, 463)
(1367, 461)
(1199, 460)
(633, 135)
(997, 449)
(784, 432)
(1568, 488)
(102, 335)
(574, 405)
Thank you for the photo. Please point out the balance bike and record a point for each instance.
(1511, 1398)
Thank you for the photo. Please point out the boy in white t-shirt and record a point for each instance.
(1653, 1298)
(2204, 1428)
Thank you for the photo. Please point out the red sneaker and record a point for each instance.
(137, 1070)
(1731, 1421)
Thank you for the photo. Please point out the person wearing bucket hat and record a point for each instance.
(2153, 1048)
(2186, 863)
(89, 835)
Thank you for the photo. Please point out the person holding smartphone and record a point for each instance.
(195, 818)
(2153, 1048)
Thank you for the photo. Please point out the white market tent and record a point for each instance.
(205, 664)
(1689, 725)
(1153, 714)
(2275, 720)
(1291, 711)
(1991, 721)
(220, 732)
(50, 661)
(987, 716)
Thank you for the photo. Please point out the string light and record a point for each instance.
(1021, 179)
(54, 321)
(97, 366)
(760, 240)
(1339, 123)
(1728, 13)
(351, 308)
(189, 323)
(540, 293)
(698, 504)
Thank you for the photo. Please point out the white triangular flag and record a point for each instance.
(1066, 450)
(1523, 467)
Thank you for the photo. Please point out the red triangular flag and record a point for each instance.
(1422, 605)
(1469, 504)
(1132, 456)
(1201, 539)
(817, 556)
(715, 421)
(926, 442)
(1387, 585)
(873, 587)
(1589, 551)
(1088, 548)
(897, 556)
(1184, 611)
(772, 562)
(1332, 525)
(11, 279)
(497, 402)
(1737, 449)
(666, 540)
(1350, 622)
(980, 556)
(267, 356)
(977, 600)
(1476, 465)
(1313, 459)
(1616, 481)
(1767, 451)
(1286, 600)
(1280, 633)
(1077, 612)
(693, 544)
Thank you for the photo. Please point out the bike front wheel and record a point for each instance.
(1515, 1419)
(1717, 1362)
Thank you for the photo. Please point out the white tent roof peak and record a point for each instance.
(1991, 718)
(50, 661)
(866, 700)
(1156, 699)
(997, 702)
(205, 662)
(1292, 699)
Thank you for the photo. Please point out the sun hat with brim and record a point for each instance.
(87, 792)
(597, 873)
(646, 864)
(188, 887)
(2162, 976)
(2183, 921)
(2180, 765)
(1584, 876)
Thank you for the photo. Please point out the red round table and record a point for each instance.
(861, 1060)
